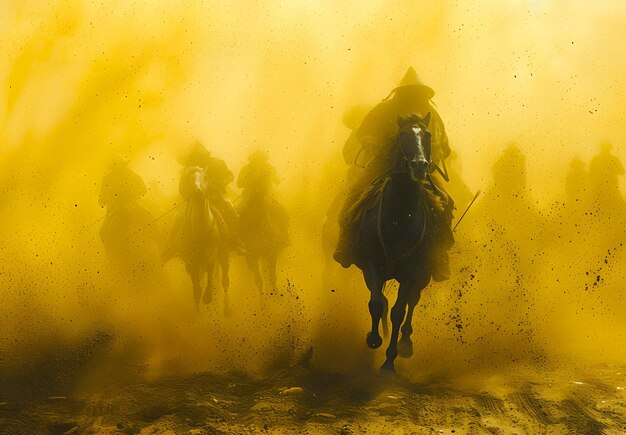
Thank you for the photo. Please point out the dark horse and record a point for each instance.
(198, 238)
(396, 234)
(263, 229)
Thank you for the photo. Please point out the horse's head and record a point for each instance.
(414, 144)
(199, 180)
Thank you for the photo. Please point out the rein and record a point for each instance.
(379, 231)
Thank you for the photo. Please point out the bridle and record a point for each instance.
(421, 161)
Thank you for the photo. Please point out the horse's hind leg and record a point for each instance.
(271, 272)
(397, 317)
(405, 345)
(385, 317)
(208, 291)
(253, 265)
(376, 306)
(225, 268)
(194, 274)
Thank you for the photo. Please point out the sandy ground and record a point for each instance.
(301, 400)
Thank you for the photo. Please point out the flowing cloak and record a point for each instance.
(379, 130)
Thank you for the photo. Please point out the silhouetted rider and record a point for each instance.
(377, 135)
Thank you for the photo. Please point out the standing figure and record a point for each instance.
(263, 220)
(604, 172)
(609, 207)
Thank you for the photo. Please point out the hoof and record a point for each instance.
(373, 341)
(388, 367)
(405, 348)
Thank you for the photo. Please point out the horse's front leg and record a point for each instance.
(208, 291)
(375, 284)
(253, 265)
(194, 274)
(397, 317)
(225, 267)
(271, 272)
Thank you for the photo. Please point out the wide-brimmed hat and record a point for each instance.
(195, 155)
(412, 79)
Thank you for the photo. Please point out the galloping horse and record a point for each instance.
(132, 251)
(263, 229)
(197, 237)
(395, 236)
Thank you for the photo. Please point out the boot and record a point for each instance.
(343, 253)
(440, 265)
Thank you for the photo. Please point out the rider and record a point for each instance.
(256, 179)
(122, 189)
(376, 135)
(218, 177)
(121, 185)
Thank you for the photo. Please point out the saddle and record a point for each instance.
(367, 200)
(436, 209)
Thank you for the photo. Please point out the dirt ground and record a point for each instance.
(301, 400)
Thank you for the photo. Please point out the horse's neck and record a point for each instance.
(200, 202)
(401, 180)
(400, 166)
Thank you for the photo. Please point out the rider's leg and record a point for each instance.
(444, 239)
(282, 221)
(344, 253)
(231, 219)
(253, 265)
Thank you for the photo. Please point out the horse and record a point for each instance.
(131, 251)
(198, 238)
(395, 236)
(263, 229)
(131, 247)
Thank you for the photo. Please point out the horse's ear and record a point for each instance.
(400, 121)
(426, 119)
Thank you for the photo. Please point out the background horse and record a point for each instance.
(130, 245)
(395, 236)
(263, 230)
(197, 238)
